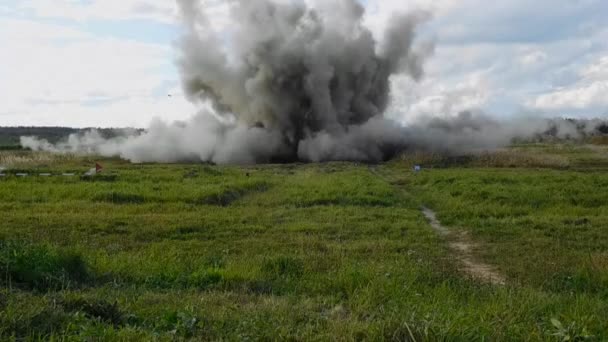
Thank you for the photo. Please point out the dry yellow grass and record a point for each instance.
(601, 140)
(500, 159)
(514, 158)
(13, 159)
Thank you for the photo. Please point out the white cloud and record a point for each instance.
(580, 96)
(437, 97)
(129, 112)
(532, 58)
(596, 71)
(521, 49)
(56, 75)
(379, 12)
(589, 91)
(161, 10)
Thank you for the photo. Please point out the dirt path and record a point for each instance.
(462, 248)
(461, 245)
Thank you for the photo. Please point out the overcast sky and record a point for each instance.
(111, 62)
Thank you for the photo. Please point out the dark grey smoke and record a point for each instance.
(298, 72)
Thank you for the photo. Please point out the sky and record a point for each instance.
(111, 63)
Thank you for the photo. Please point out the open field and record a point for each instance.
(336, 251)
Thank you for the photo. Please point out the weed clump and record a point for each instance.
(583, 280)
(40, 268)
(100, 178)
(205, 279)
(181, 324)
(97, 309)
(359, 201)
(283, 267)
(120, 198)
(34, 324)
(227, 196)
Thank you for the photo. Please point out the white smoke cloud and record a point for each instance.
(589, 91)
(209, 138)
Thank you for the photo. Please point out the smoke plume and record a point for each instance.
(293, 75)
(291, 81)
(287, 81)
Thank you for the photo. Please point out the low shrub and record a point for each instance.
(40, 267)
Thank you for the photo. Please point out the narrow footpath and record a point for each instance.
(461, 245)
(462, 248)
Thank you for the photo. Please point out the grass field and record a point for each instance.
(336, 251)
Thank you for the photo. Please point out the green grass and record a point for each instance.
(40, 268)
(303, 252)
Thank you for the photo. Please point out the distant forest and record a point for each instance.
(9, 136)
